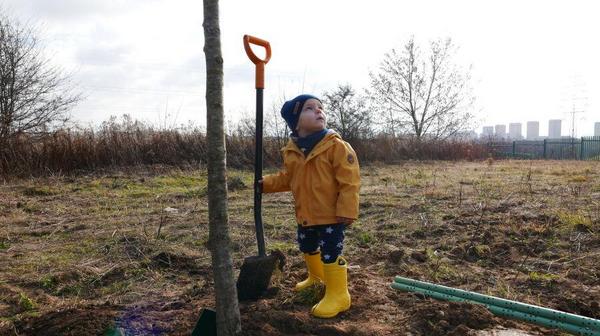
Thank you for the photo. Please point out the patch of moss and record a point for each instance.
(48, 282)
(365, 238)
(541, 277)
(444, 271)
(26, 303)
(4, 245)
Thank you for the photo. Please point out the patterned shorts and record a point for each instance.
(328, 238)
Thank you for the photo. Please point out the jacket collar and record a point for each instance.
(325, 143)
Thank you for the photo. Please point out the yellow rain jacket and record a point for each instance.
(324, 184)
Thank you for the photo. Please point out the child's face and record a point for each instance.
(312, 118)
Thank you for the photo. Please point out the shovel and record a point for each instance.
(256, 271)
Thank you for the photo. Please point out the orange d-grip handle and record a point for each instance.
(260, 64)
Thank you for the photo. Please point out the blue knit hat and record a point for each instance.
(291, 109)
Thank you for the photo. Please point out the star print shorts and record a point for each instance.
(328, 238)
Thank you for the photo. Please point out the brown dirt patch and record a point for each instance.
(88, 320)
(450, 318)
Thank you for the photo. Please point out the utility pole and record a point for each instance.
(578, 101)
(573, 112)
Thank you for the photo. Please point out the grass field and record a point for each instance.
(126, 250)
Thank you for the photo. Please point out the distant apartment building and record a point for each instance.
(487, 132)
(554, 128)
(514, 131)
(533, 130)
(500, 131)
(597, 129)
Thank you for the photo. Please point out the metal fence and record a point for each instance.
(585, 148)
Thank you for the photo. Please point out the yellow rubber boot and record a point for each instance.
(315, 271)
(337, 297)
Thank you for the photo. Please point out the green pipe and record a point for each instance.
(552, 314)
(542, 321)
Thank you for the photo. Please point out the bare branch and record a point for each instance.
(34, 95)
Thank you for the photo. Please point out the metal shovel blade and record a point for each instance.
(255, 276)
(207, 324)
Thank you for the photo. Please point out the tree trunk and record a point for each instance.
(228, 313)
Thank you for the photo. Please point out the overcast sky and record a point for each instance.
(532, 60)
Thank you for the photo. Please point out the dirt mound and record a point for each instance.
(272, 322)
(133, 247)
(179, 262)
(90, 320)
(9, 301)
(582, 307)
(450, 318)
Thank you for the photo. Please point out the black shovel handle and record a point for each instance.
(258, 165)
(258, 160)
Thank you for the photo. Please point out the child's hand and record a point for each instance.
(344, 220)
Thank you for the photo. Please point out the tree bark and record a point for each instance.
(228, 313)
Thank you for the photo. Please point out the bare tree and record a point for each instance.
(245, 126)
(275, 126)
(34, 95)
(423, 95)
(219, 241)
(347, 113)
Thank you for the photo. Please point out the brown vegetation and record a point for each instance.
(125, 143)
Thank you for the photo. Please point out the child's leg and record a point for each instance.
(331, 242)
(308, 241)
(335, 272)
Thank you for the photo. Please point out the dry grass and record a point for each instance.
(128, 143)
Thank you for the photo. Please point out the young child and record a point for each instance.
(321, 170)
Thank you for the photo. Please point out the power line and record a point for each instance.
(577, 94)
(143, 91)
